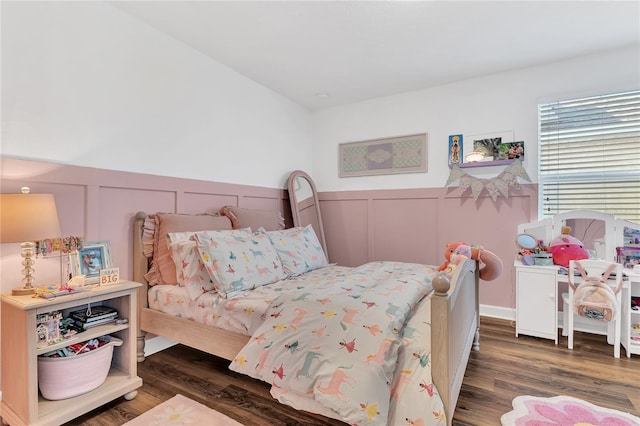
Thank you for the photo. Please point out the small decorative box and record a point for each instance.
(543, 259)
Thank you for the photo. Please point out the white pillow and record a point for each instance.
(237, 263)
(190, 271)
(299, 249)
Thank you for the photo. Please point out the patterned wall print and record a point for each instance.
(402, 154)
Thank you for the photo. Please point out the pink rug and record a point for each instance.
(563, 411)
(182, 411)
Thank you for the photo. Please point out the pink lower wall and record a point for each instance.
(411, 225)
(100, 204)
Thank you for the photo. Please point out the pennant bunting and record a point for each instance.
(495, 186)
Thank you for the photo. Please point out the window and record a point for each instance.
(590, 155)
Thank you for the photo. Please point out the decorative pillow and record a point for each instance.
(253, 218)
(163, 270)
(239, 263)
(190, 271)
(299, 250)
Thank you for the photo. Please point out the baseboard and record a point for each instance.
(157, 344)
(498, 312)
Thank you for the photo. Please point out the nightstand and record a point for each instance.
(21, 402)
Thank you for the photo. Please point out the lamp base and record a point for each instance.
(21, 291)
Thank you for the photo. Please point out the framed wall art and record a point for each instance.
(90, 259)
(401, 154)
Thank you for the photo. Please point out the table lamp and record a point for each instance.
(25, 218)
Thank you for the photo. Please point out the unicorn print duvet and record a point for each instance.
(353, 346)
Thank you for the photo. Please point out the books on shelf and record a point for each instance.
(97, 315)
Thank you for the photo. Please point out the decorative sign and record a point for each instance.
(109, 276)
(496, 186)
(403, 154)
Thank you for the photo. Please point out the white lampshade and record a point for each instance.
(25, 218)
(28, 217)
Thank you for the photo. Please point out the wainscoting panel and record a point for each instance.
(346, 224)
(100, 204)
(414, 225)
(394, 240)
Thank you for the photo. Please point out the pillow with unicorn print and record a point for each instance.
(237, 263)
(299, 249)
(190, 271)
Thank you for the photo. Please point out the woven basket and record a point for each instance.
(61, 378)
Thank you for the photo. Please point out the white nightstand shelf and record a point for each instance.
(21, 403)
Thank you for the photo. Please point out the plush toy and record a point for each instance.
(457, 251)
(564, 248)
(460, 253)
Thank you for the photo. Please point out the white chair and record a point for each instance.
(599, 269)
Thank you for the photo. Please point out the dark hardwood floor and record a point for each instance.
(504, 368)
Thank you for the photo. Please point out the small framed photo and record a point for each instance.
(512, 151)
(455, 150)
(90, 259)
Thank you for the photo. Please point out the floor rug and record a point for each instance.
(181, 410)
(563, 411)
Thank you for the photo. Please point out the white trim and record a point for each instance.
(157, 344)
(498, 312)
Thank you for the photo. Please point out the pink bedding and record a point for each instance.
(242, 314)
(376, 369)
(355, 347)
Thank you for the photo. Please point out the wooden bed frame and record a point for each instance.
(455, 322)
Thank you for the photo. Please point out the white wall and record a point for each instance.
(495, 103)
(85, 84)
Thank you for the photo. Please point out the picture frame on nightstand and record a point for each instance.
(90, 259)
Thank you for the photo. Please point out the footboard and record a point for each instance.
(454, 327)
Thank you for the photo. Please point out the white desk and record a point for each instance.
(537, 305)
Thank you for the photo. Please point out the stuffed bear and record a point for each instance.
(459, 254)
(491, 264)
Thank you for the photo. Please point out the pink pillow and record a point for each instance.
(270, 220)
(163, 270)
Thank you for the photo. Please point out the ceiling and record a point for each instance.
(326, 53)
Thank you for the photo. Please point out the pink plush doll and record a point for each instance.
(491, 265)
(564, 248)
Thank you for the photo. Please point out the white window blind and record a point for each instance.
(590, 155)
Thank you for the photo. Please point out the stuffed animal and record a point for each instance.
(460, 253)
(564, 248)
(457, 251)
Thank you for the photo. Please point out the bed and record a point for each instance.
(440, 313)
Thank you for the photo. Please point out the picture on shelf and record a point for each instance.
(511, 151)
(90, 259)
(455, 150)
(490, 147)
(631, 237)
(486, 149)
(48, 328)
